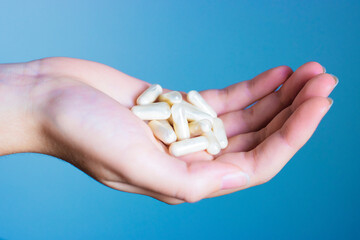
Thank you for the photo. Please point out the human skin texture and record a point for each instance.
(79, 111)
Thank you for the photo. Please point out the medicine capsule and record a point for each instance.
(193, 113)
(180, 122)
(219, 132)
(152, 111)
(199, 127)
(187, 146)
(171, 97)
(195, 98)
(214, 146)
(163, 131)
(149, 95)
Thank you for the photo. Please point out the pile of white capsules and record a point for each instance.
(187, 126)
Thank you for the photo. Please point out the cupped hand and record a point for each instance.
(83, 108)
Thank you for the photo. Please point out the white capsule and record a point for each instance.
(195, 98)
(180, 122)
(214, 146)
(219, 132)
(152, 111)
(199, 127)
(187, 146)
(171, 97)
(149, 95)
(194, 113)
(163, 131)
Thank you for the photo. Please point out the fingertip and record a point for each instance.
(271, 79)
(336, 79)
(331, 101)
(330, 78)
(315, 104)
(321, 85)
(280, 73)
(313, 67)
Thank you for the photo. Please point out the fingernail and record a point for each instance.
(324, 69)
(330, 101)
(336, 79)
(235, 180)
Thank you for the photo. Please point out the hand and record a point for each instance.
(79, 111)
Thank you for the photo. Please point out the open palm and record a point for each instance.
(85, 108)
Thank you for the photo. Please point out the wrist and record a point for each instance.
(21, 128)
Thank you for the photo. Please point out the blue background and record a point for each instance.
(191, 45)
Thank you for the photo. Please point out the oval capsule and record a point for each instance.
(195, 98)
(219, 132)
(152, 111)
(163, 131)
(187, 146)
(193, 113)
(149, 95)
(214, 146)
(180, 122)
(171, 97)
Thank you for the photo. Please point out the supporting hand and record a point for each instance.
(78, 111)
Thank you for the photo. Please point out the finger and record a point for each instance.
(267, 159)
(242, 94)
(259, 115)
(118, 85)
(321, 85)
(272, 154)
(132, 189)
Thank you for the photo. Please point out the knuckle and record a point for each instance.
(261, 134)
(249, 86)
(282, 100)
(223, 94)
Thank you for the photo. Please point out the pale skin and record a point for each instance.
(78, 111)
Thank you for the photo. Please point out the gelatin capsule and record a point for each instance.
(219, 132)
(171, 97)
(163, 131)
(180, 122)
(193, 113)
(187, 146)
(214, 146)
(199, 127)
(149, 95)
(152, 111)
(195, 98)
